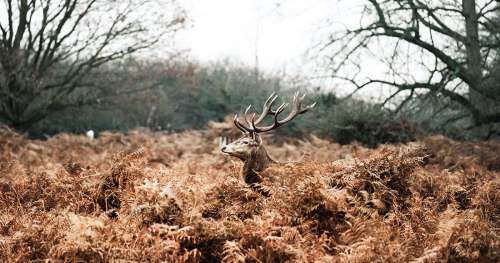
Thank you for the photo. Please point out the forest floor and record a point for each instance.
(149, 196)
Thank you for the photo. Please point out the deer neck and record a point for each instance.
(258, 161)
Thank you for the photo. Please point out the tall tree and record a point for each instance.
(449, 47)
(49, 47)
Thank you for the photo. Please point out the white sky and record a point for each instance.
(279, 34)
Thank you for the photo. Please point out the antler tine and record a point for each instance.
(249, 122)
(248, 108)
(252, 123)
(267, 108)
(308, 107)
(298, 103)
(271, 99)
(296, 110)
(281, 108)
(240, 126)
(246, 114)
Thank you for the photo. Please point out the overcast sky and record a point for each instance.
(277, 32)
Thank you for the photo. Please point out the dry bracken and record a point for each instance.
(157, 197)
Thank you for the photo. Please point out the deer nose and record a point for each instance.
(223, 148)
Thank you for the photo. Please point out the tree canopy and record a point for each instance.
(48, 48)
(443, 48)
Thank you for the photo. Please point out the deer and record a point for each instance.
(249, 148)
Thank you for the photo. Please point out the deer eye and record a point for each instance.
(245, 142)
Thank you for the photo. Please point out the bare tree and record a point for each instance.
(49, 47)
(448, 47)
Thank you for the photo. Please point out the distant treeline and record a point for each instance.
(177, 96)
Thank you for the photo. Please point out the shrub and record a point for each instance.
(349, 120)
(176, 97)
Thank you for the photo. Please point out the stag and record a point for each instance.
(249, 148)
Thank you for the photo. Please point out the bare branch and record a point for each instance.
(455, 43)
(56, 44)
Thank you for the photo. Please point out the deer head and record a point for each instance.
(249, 147)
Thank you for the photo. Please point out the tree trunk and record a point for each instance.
(477, 90)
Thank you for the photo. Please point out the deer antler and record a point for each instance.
(251, 125)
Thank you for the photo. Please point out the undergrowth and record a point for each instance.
(173, 197)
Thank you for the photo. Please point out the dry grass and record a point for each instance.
(157, 197)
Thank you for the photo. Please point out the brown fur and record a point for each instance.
(249, 148)
(258, 161)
